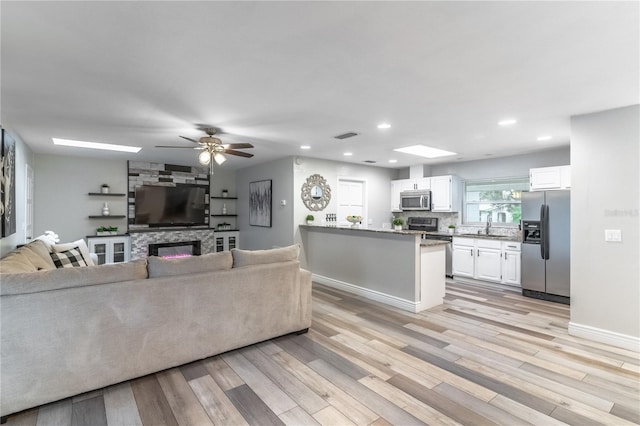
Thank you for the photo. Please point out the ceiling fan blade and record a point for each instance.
(237, 145)
(189, 139)
(238, 153)
(167, 146)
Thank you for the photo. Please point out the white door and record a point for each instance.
(28, 231)
(351, 200)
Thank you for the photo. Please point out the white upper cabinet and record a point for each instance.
(545, 178)
(445, 193)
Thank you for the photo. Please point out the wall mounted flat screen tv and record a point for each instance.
(182, 205)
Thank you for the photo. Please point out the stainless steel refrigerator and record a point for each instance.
(546, 245)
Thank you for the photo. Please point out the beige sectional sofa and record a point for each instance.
(68, 331)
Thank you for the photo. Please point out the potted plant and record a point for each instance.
(310, 219)
(104, 188)
(397, 223)
(101, 231)
(113, 230)
(452, 229)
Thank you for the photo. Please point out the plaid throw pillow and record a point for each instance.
(68, 259)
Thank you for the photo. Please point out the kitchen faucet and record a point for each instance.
(489, 220)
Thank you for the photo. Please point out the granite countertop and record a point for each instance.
(512, 238)
(430, 243)
(362, 228)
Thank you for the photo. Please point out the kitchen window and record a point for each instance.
(498, 198)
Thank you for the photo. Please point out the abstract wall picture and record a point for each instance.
(8, 184)
(260, 203)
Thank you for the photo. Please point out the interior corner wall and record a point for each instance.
(605, 194)
(24, 156)
(280, 234)
(61, 203)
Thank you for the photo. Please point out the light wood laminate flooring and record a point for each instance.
(487, 356)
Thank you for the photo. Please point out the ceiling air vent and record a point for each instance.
(369, 161)
(346, 135)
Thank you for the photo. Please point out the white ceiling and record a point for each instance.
(284, 74)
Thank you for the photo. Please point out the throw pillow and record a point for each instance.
(68, 259)
(257, 257)
(79, 245)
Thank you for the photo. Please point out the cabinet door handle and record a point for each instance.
(478, 252)
(471, 252)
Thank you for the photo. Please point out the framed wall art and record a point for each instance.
(8, 184)
(260, 203)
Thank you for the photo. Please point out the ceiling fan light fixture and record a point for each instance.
(204, 158)
(219, 158)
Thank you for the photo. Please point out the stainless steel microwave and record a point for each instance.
(415, 200)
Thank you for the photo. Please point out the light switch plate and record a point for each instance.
(613, 235)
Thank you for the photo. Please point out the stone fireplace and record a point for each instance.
(177, 249)
(178, 242)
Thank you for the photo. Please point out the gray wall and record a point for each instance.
(377, 186)
(605, 194)
(24, 156)
(61, 201)
(281, 232)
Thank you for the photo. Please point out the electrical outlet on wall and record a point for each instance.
(613, 235)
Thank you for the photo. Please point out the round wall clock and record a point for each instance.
(315, 193)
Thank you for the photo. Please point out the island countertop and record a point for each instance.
(394, 267)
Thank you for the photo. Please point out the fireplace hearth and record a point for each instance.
(175, 249)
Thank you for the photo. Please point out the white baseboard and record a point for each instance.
(605, 336)
(387, 299)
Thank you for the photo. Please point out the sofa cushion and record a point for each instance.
(12, 284)
(159, 267)
(38, 254)
(28, 258)
(68, 259)
(78, 244)
(257, 257)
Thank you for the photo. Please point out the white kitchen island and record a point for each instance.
(393, 267)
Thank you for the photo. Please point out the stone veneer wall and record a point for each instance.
(140, 240)
(145, 173)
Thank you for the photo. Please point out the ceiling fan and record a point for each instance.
(213, 149)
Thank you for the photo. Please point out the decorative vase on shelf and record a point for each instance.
(105, 210)
(224, 209)
(225, 193)
(104, 189)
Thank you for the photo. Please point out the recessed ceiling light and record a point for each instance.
(425, 151)
(393, 161)
(96, 145)
(305, 147)
(348, 154)
(544, 138)
(507, 122)
(384, 126)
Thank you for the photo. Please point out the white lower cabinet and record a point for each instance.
(463, 257)
(226, 241)
(487, 260)
(511, 263)
(110, 249)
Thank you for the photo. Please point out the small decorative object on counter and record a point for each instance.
(354, 220)
(310, 219)
(224, 208)
(452, 229)
(225, 193)
(397, 223)
(104, 188)
(105, 210)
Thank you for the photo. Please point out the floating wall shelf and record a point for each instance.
(111, 216)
